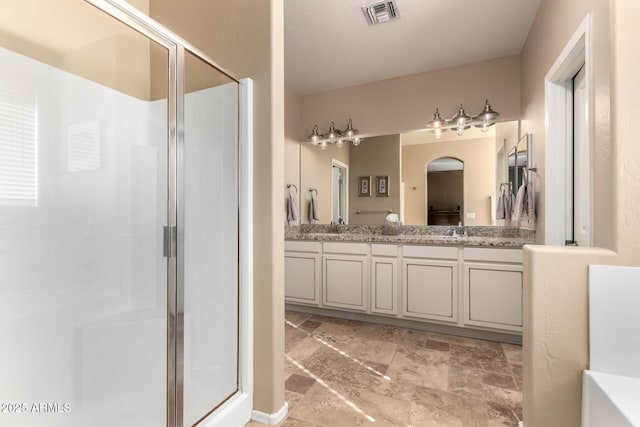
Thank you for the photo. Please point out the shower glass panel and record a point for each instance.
(83, 198)
(208, 250)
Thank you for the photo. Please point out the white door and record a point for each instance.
(581, 201)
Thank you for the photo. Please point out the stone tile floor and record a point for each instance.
(350, 373)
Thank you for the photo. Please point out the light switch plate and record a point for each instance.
(471, 215)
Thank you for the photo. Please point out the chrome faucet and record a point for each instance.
(459, 231)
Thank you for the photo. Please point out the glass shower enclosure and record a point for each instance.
(121, 240)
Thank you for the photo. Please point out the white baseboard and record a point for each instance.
(270, 419)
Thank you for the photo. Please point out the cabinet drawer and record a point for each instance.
(345, 248)
(440, 252)
(493, 255)
(384, 250)
(300, 246)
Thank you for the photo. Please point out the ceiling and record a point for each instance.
(329, 45)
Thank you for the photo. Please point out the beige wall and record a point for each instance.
(407, 103)
(316, 169)
(378, 156)
(556, 326)
(292, 138)
(625, 109)
(556, 336)
(507, 135)
(246, 37)
(478, 156)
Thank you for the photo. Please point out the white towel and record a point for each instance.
(506, 203)
(313, 209)
(530, 206)
(293, 213)
(500, 207)
(524, 212)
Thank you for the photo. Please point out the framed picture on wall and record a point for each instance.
(382, 186)
(364, 186)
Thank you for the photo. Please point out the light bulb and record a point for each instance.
(437, 121)
(461, 119)
(314, 137)
(332, 133)
(485, 127)
(438, 133)
(340, 143)
(323, 145)
(350, 132)
(460, 130)
(356, 141)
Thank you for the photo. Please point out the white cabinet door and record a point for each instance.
(384, 285)
(493, 295)
(430, 289)
(345, 281)
(302, 277)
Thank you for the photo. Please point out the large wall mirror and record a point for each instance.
(483, 159)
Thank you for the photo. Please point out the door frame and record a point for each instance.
(559, 131)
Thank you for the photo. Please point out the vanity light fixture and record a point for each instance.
(437, 125)
(335, 136)
(463, 121)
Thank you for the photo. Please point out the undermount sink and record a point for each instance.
(328, 233)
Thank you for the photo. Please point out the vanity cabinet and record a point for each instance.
(345, 275)
(492, 283)
(430, 283)
(302, 272)
(462, 287)
(384, 279)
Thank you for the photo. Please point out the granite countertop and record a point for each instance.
(505, 237)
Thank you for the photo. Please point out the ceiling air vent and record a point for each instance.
(379, 12)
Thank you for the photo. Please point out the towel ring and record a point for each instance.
(294, 186)
(311, 190)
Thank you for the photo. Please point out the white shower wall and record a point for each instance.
(82, 277)
(87, 253)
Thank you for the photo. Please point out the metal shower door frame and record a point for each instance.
(174, 235)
